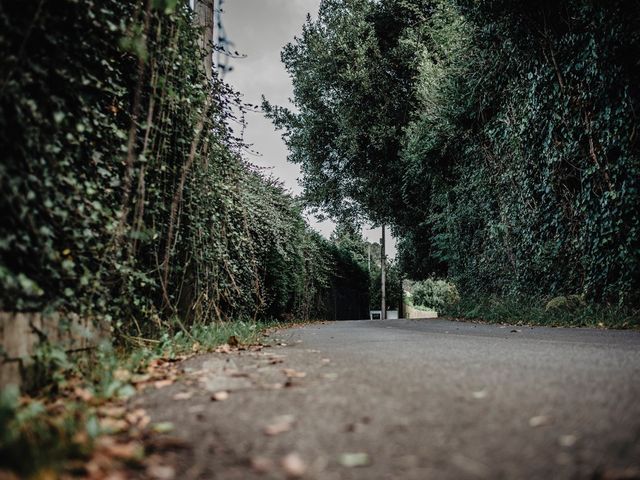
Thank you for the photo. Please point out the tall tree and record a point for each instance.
(353, 73)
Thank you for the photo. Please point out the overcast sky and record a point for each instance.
(259, 29)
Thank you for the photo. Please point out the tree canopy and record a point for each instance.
(498, 139)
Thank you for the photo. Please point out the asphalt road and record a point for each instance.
(427, 399)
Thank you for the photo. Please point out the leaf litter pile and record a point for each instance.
(78, 429)
(110, 437)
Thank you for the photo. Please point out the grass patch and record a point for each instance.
(532, 311)
(58, 423)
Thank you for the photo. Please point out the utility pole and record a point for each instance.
(204, 17)
(383, 313)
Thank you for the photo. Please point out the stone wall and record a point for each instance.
(21, 334)
(412, 312)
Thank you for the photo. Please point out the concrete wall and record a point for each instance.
(22, 333)
(412, 312)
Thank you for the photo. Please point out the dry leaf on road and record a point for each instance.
(112, 425)
(293, 465)
(291, 373)
(163, 427)
(567, 440)
(224, 348)
(123, 451)
(280, 424)
(539, 421)
(351, 460)
(183, 396)
(112, 411)
(163, 383)
(262, 464)
(161, 472)
(480, 394)
(220, 396)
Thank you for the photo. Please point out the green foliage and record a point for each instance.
(352, 72)
(30, 436)
(526, 138)
(393, 288)
(498, 138)
(124, 192)
(521, 310)
(41, 434)
(569, 303)
(435, 294)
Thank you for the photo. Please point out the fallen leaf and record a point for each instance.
(539, 421)
(291, 373)
(112, 411)
(273, 386)
(220, 396)
(262, 464)
(138, 417)
(293, 382)
(293, 465)
(122, 375)
(83, 394)
(112, 425)
(161, 472)
(480, 394)
(351, 460)
(567, 440)
(225, 348)
(140, 378)
(156, 362)
(183, 396)
(281, 424)
(163, 383)
(163, 427)
(124, 451)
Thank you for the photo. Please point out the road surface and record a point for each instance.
(407, 399)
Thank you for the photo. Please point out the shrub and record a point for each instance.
(435, 294)
(570, 303)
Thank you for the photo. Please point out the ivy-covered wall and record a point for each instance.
(123, 192)
(497, 138)
(527, 141)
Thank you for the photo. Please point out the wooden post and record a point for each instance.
(383, 313)
(204, 17)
